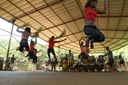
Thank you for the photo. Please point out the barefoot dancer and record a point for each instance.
(51, 45)
(90, 28)
(24, 41)
(83, 49)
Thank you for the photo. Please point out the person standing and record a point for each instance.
(70, 60)
(12, 62)
(110, 58)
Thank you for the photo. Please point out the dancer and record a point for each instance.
(83, 49)
(32, 43)
(121, 61)
(32, 51)
(32, 55)
(51, 45)
(90, 28)
(24, 40)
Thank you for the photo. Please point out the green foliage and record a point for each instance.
(123, 51)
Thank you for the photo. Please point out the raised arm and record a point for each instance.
(35, 40)
(18, 30)
(80, 40)
(63, 40)
(87, 4)
(105, 8)
(32, 35)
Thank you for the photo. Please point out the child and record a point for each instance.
(24, 40)
(80, 64)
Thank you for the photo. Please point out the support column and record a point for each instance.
(9, 41)
(59, 53)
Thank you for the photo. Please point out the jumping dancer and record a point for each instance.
(24, 40)
(90, 28)
(51, 45)
(32, 55)
(32, 51)
(32, 43)
(83, 49)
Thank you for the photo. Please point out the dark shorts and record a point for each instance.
(111, 62)
(121, 62)
(24, 45)
(83, 55)
(94, 33)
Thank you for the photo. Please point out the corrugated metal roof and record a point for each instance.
(55, 15)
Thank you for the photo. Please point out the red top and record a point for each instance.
(31, 47)
(51, 43)
(34, 53)
(25, 35)
(90, 14)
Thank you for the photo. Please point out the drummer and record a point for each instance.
(93, 61)
(110, 58)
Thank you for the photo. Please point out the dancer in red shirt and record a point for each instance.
(51, 45)
(90, 28)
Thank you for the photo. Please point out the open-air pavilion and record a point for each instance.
(56, 15)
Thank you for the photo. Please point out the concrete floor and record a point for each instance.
(62, 78)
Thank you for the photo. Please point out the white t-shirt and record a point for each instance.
(109, 53)
(79, 61)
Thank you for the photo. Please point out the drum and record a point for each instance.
(86, 67)
(99, 66)
(64, 66)
(92, 65)
(60, 64)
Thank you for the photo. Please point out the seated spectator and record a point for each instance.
(99, 63)
(79, 64)
(93, 61)
(99, 60)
